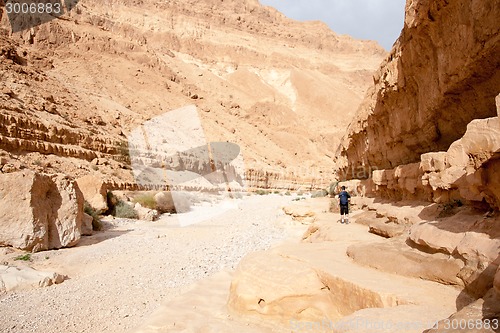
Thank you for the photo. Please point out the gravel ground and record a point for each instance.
(118, 277)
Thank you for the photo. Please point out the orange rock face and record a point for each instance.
(441, 74)
(283, 90)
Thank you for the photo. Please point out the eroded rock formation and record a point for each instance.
(442, 73)
(39, 212)
(258, 80)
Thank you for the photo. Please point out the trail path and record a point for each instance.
(118, 277)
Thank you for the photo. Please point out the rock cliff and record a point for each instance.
(442, 73)
(78, 85)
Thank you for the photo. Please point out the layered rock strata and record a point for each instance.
(442, 73)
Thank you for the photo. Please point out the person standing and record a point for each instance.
(344, 198)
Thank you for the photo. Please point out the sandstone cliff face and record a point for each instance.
(442, 73)
(257, 79)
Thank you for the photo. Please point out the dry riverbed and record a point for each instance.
(118, 277)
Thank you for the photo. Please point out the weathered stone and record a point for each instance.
(280, 288)
(146, 214)
(496, 283)
(395, 257)
(94, 191)
(386, 229)
(24, 211)
(39, 212)
(164, 202)
(65, 226)
(300, 213)
(87, 228)
(428, 100)
(480, 316)
(14, 278)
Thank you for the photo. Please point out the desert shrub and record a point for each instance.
(288, 193)
(96, 221)
(146, 200)
(319, 194)
(124, 210)
(25, 257)
(261, 192)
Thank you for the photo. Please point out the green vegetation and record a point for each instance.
(288, 193)
(25, 257)
(146, 200)
(124, 210)
(96, 221)
(261, 192)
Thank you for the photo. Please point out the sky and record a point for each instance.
(380, 20)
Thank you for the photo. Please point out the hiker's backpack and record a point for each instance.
(344, 198)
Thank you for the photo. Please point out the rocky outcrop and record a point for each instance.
(467, 172)
(94, 192)
(96, 74)
(39, 212)
(314, 282)
(15, 278)
(442, 73)
(496, 283)
(300, 214)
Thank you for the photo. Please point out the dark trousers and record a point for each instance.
(344, 209)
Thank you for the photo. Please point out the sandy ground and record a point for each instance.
(117, 278)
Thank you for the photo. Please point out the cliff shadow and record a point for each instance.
(101, 236)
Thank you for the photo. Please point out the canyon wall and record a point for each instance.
(257, 79)
(442, 73)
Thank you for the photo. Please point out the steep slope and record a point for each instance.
(282, 90)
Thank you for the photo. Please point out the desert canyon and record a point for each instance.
(105, 228)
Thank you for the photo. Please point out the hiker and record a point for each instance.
(344, 198)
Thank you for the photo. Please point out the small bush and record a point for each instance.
(261, 192)
(288, 193)
(146, 200)
(25, 257)
(126, 211)
(96, 221)
(319, 194)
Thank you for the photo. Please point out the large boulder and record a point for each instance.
(164, 202)
(39, 212)
(87, 228)
(66, 224)
(274, 286)
(95, 192)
